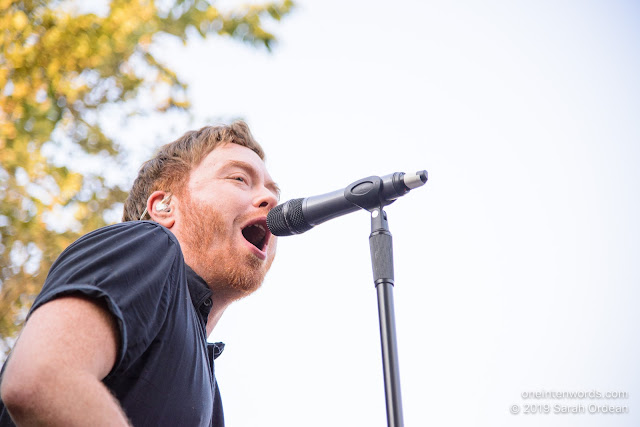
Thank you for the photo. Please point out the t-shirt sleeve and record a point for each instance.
(130, 267)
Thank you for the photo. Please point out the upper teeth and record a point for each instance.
(259, 226)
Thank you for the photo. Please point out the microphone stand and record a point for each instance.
(368, 194)
(380, 243)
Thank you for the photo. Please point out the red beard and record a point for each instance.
(229, 273)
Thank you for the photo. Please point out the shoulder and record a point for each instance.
(129, 246)
(126, 237)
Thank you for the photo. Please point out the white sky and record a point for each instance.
(516, 265)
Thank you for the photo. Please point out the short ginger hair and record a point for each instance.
(170, 168)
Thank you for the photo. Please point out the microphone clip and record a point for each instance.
(374, 192)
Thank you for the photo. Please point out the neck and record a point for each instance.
(219, 305)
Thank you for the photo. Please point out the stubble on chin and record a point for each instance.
(234, 275)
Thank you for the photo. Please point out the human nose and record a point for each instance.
(266, 199)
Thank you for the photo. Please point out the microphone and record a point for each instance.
(299, 215)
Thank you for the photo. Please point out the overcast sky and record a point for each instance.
(516, 265)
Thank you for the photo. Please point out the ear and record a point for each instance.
(163, 215)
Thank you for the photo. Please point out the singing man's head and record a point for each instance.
(212, 190)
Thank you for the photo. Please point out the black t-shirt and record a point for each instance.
(164, 372)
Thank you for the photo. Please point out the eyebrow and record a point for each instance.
(271, 185)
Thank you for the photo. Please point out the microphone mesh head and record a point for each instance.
(287, 219)
(276, 222)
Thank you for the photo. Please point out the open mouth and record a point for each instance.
(256, 234)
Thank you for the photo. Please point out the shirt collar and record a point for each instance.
(201, 299)
(200, 294)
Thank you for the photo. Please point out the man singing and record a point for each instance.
(118, 334)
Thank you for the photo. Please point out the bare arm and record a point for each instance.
(54, 374)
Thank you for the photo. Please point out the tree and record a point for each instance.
(59, 71)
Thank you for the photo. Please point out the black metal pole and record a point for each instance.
(380, 243)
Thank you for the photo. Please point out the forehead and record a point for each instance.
(228, 155)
